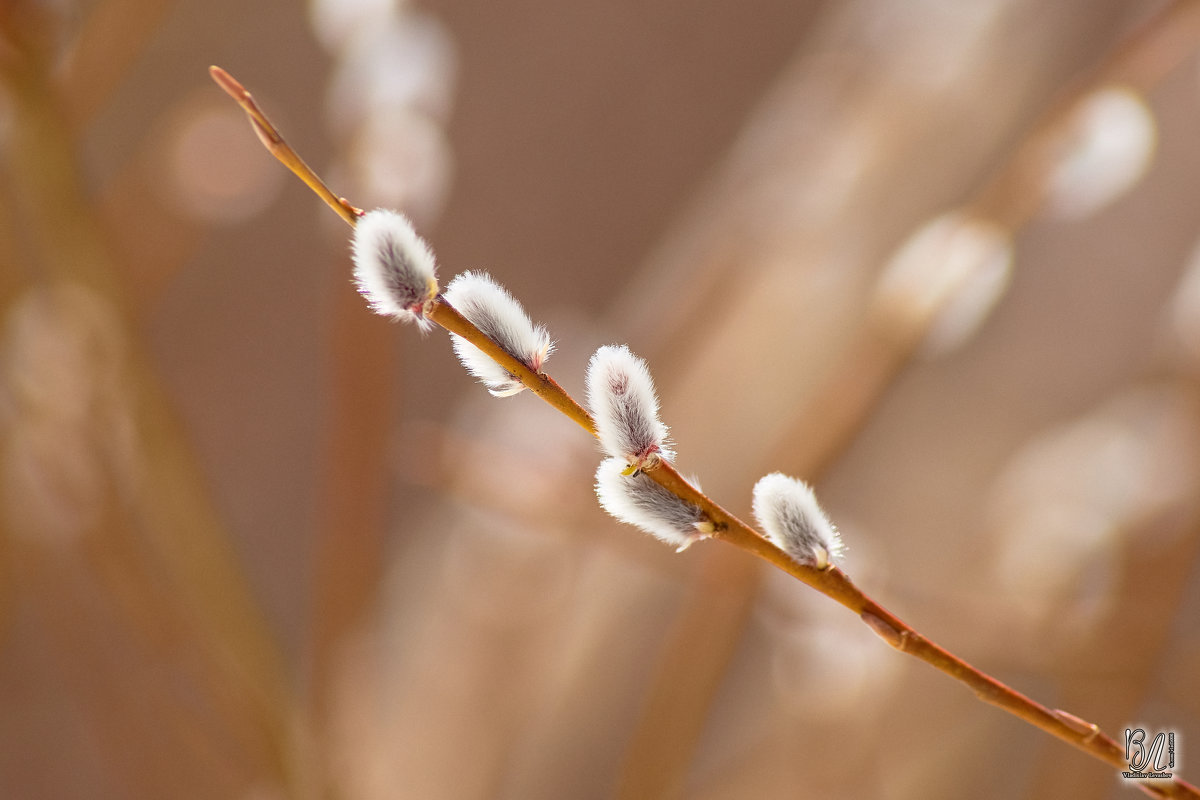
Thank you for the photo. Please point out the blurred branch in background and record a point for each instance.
(391, 91)
(103, 52)
(127, 588)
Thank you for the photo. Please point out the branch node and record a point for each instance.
(897, 638)
(1089, 730)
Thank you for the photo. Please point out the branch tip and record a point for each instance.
(227, 82)
(273, 140)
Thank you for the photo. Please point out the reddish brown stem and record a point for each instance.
(275, 144)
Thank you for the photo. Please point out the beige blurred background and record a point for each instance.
(257, 543)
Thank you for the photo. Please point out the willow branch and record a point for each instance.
(831, 581)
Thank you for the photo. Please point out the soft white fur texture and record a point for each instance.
(789, 515)
(625, 407)
(393, 267)
(639, 501)
(500, 317)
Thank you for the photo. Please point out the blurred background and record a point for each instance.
(939, 258)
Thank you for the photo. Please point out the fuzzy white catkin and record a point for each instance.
(945, 278)
(1108, 145)
(788, 513)
(625, 407)
(498, 315)
(393, 267)
(639, 501)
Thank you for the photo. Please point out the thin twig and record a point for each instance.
(831, 582)
(269, 136)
